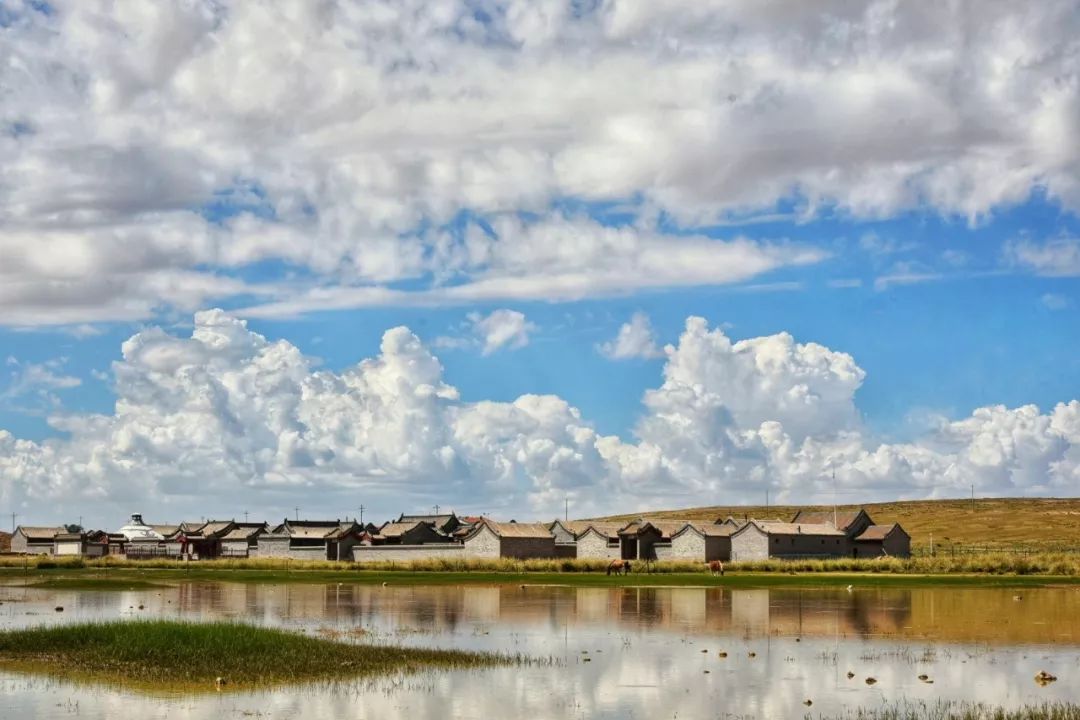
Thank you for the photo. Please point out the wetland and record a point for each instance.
(594, 652)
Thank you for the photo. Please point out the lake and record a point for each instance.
(606, 652)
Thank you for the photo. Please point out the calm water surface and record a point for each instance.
(615, 653)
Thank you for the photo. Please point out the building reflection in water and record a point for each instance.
(744, 612)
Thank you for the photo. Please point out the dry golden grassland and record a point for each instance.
(1004, 523)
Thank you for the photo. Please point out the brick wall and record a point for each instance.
(522, 548)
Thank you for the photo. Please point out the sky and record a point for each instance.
(508, 256)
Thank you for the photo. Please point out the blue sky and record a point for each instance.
(547, 195)
(980, 333)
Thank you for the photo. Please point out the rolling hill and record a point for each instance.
(1044, 523)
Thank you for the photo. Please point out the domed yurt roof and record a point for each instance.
(136, 529)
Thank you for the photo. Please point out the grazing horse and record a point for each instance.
(619, 567)
(716, 567)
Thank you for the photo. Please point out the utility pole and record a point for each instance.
(297, 510)
(245, 516)
(436, 509)
(566, 511)
(361, 509)
(834, 498)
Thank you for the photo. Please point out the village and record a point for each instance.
(828, 534)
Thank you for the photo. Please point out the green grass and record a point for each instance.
(166, 655)
(1001, 563)
(402, 576)
(945, 710)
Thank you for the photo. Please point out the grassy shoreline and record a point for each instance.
(171, 656)
(123, 579)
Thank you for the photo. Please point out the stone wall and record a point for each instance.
(688, 546)
(19, 544)
(279, 548)
(562, 535)
(749, 544)
(406, 553)
(484, 544)
(591, 545)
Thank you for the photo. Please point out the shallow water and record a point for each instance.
(615, 653)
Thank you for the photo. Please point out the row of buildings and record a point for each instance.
(420, 537)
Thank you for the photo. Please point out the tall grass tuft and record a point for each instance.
(179, 655)
(950, 710)
(1062, 564)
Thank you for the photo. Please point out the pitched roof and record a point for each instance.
(514, 529)
(578, 527)
(707, 529)
(666, 526)
(878, 532)
(244, 531)
(782, 528)
(164, 530)
(32, 532)
(397, 529)
(314, 528)
(844, 519)
(437, 520)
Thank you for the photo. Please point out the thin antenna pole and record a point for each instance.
(436, 509)
(297, 510)
(361, 509)
(245, 516)
(13, 516)
(834, 498)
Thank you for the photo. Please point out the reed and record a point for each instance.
(1048, 563)
(947, 710)
(172, 655)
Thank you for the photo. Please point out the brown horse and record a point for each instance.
(622, 567)
(716, 567)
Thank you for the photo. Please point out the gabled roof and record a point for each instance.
(165, 530)
(439, 521)
(397, 529)
(844, 519)
(666, 527)
(707, 529)
(244, 531)
(782, 528)
(577, 528)
(512, 529)
(320, 529)
(32, 532)
(878, 532)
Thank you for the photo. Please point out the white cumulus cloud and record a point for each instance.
(226, 417)
(635, 340)
(153, 155)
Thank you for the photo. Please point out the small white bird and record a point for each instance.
(849, 588)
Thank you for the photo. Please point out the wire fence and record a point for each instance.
(963, 549)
